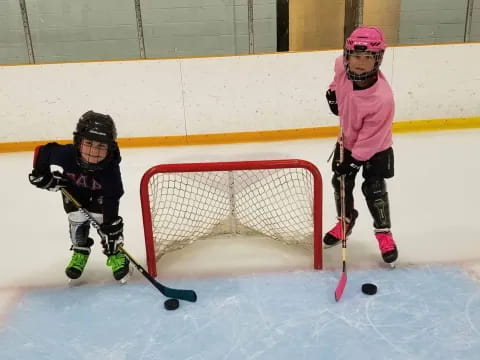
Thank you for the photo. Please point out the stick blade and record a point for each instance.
(341, 286)
(180, 294)
(187, 295)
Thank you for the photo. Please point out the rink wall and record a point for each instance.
(229, 99)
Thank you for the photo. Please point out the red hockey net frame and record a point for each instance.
(231, 166)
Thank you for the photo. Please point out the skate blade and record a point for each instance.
(75, 282)
(391, 265)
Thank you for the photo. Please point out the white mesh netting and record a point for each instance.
(188, 206)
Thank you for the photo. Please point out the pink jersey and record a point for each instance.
(366, 116)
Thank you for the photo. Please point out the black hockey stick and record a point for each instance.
(188, 295)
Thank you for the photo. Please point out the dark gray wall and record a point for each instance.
(475, 29)
(432, 21)
(13, 48)
(65, 30)
(206, 27)
(82, 30)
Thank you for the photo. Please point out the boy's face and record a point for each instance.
(93, 151)
(361, 62)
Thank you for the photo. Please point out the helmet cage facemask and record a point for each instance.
(377, 55)
(78, 138)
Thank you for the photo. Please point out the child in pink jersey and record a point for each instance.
(362, 97)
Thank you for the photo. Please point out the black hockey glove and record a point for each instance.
(112, 236)
(332, 101)
(349, 166)
(47, 180)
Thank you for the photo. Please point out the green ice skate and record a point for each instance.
(75, 268)
(119, 264)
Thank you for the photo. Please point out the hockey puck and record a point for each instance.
(171, 304)
(369, 289)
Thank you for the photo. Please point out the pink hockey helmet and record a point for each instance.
(364, 39)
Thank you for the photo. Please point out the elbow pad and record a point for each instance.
(332, 101)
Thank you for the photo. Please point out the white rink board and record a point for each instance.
(263, 92)
(41, 102)
(437, 81)
(227, 94)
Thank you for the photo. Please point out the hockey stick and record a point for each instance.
(343, 278)
(188, 295)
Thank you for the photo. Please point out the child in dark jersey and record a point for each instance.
(91, 173)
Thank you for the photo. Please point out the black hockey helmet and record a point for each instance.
(96, 127)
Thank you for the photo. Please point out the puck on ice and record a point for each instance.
(171, 304)
(369, 289)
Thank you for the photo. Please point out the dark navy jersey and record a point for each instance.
(98, 191)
